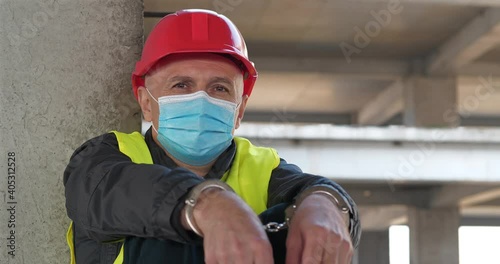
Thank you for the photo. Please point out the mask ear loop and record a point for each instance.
(152, 124)
(147, 90)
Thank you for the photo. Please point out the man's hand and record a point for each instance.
(318, 234)
(232, 231)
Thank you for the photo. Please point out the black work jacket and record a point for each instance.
(109, 197)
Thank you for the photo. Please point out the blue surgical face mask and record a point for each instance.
(195, 128)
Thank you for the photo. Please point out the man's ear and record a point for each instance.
(241, 111)
(144, 100)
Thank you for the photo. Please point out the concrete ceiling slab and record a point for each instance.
(317, 29)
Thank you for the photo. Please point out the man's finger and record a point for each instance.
(293, 247)
(333, 252)
(331, 257)
(264, 254)
(346, 251)
(313, 250)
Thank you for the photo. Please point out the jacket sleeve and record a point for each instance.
(288, 180)
(110, 197)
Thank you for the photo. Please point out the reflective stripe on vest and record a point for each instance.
(249, 174)
(69, 240)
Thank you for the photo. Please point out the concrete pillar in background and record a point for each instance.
(434, 235)
(430, 102)
(65, 70)
(374, 247)
(355, 257)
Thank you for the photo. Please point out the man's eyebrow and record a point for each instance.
(221, 80)
(180, 78)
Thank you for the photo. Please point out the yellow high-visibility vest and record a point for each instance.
(249, 174)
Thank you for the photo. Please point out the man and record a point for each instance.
(189, 192)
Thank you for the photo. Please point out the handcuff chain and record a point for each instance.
(273, 227)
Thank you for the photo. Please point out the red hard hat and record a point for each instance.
(191, 31)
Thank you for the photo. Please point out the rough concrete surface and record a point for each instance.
(434, 236)
(64, 77)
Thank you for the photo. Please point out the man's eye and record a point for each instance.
(180, 85)
(220, 89)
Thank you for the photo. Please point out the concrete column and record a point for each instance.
(434, 235)
(430, 102)
(64, 77)
(355, 257)
(374, 247)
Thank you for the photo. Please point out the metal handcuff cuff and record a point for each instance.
(272, 227)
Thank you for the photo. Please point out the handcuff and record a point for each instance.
(193, 197)
(324, 190)
(327, 191)
(271, 227)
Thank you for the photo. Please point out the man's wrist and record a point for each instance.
(195, 198)
(328, 192)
